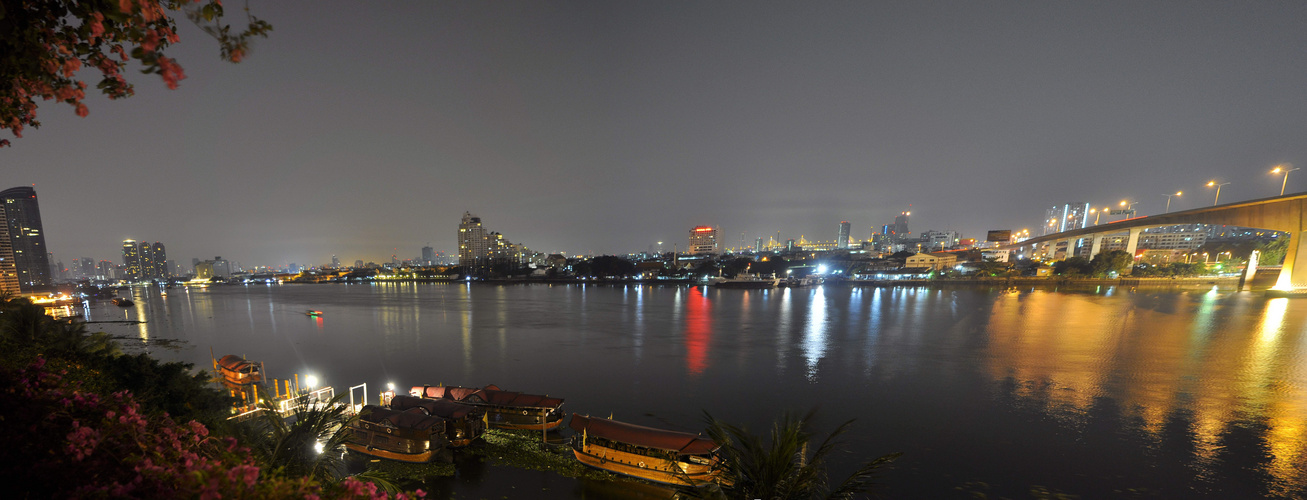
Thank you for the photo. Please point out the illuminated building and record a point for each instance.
(703, 240)
(159, 269)
(428, 256)
(131, 260)
(1066, 217)
(26, 237)
(105, 270)
(8, 270)
(473, 248)
(842, 241)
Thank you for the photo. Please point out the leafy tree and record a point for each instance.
(992, 267)
(1072, 266)
(738, 265)
(1115, 260)
(289, 442)
(43, 44)
(787, 465)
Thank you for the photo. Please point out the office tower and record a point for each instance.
(26, 237)
(335, 262)
(842, 241)
(428, 256)
(104, 270)
(900, 230)
(8, 270)
(131, 260)
(703, 240)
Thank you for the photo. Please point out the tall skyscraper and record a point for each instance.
(428, 256)
(703, 240)
(131, 261)
(842, 241)
(8, 270)
(900, 230)
(104, 270)
(473, 248)
(1066, 217)
(335, 262)
(26, 237)
(160, 268)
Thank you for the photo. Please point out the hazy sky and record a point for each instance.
(358, 128)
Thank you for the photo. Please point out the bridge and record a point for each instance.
(1278, 213)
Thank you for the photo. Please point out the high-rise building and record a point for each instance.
(428, 256)
(900, 229)
(335, 262)
(842, 241)
(1065, 217)
(703, 240)
(131, 260)
(472, 244)
(160, 268)
(104, 270)
(8, 270)
(26, 237)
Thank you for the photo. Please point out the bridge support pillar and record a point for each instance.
(1096, 246)
(1131, 245)
(1292, 274)
(1069, 252)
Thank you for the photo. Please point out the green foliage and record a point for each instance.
(289, 443)
(1114, 260)
(787, 465)
(1073, 266)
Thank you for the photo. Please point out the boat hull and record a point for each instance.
(417, 458)
(645, 467)
(514, 418)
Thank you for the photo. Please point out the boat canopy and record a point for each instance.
(648, 437)
(438, 407)
(235, 363)
(490, 395)
(413, 418)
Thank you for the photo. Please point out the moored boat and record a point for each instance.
(504, 409)
(751, 281)
(123, 302)
(407, 436)
(463, 423)
(664, 456)
(312, 312)
(239, 371)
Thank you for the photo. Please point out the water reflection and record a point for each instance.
(698, 330)
(814, 336)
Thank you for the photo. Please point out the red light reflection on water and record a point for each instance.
(318, 320)
(698, 330)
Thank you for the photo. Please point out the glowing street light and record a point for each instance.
(1128, 206)
(1218, 188)
(1286, 169)
(1168, 200)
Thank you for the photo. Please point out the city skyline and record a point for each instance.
(597, 129)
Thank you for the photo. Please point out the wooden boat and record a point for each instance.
(504, 409)
(747, 281)
(664, 456)
(407, 436)
(123, 302)
(463, 423)
(312, 312)
(236, 370)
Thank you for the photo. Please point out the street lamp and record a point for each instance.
(1168, 200)
(1218, 188)
(1129, 206)
(1286, 169)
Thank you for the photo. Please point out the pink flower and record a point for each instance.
(172, 72)
(81, 110)
(151, 41)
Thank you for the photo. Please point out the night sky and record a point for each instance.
(358, 128)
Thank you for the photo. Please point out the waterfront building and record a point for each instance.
(26, 237)
(473, 248)
(932, 260)
(703, 240)
(939, 240)
(131, 260)
(104, 270)
(428, 256)
(842, 240)
(159, 262)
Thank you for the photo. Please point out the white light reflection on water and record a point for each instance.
(783, 326)
(814, 335)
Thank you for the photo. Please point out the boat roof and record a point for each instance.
(648, 437)
(439, 407)
(491, 395)
(412, 418)
(235, 363)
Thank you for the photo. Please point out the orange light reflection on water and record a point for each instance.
(698, 330)
(1238, 359)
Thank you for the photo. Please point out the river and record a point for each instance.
(1101, 392)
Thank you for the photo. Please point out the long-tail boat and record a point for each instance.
(407, 436)
(463, 423)
(664, 456)
(238, 371)
(504, 409)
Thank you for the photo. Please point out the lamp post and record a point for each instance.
(1218, 189)
(1096, 215)
(1129, 206)
(1168, 200)
(1286, 168)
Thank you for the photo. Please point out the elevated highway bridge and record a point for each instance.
(1279, 213)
